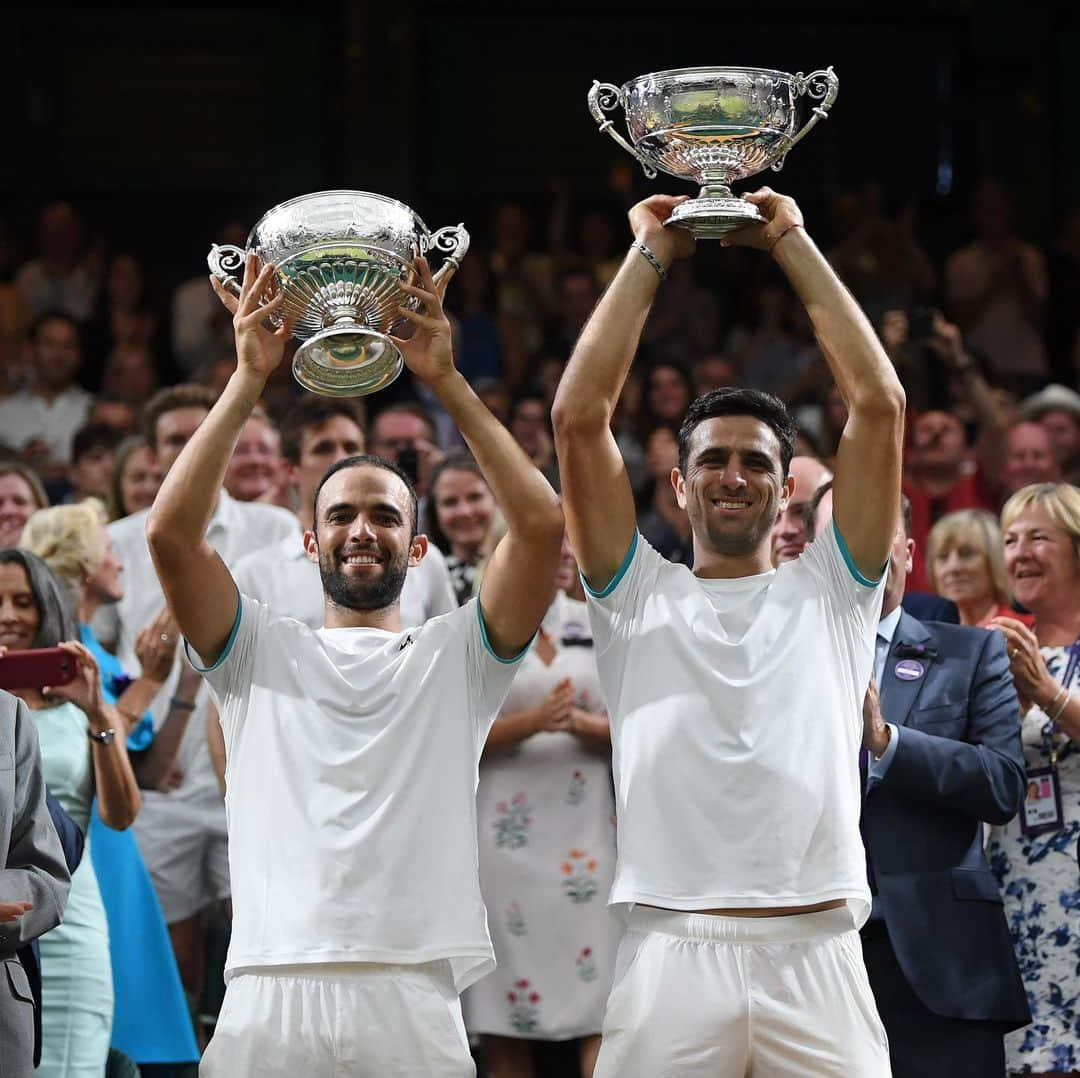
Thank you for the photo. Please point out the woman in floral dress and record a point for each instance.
(547, 851)
(1038, 871)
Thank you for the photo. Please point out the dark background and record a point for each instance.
(160, 125)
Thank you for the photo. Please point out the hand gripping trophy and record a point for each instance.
(340, 257)
(713, 125)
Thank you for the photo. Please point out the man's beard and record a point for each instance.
(360, 594)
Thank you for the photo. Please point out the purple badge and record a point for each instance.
(910, 670)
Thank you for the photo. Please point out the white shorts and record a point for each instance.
(185, 845)
(361, 1020)
(731, 997)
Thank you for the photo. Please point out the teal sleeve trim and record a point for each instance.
(487, 643)
(851, 564)
(228, 643)
(619, 574)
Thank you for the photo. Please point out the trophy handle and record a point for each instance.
(453, 241)
(604, 97)
(224, 260)
(821, 86)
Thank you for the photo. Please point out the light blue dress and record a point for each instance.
(151, 1022)
(76, 981)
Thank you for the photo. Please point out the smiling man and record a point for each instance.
(735, 691)
(353, 749)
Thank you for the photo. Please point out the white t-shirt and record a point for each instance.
(236, 528)
(26, 416)
(282, 577)
(736, 720)
(353, 759)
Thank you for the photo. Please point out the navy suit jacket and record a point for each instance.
(958, 763)
(71, 839)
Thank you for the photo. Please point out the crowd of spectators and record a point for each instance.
(987, 344)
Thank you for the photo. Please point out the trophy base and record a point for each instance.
(711, 218)
(347, 361)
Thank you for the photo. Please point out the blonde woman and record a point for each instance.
(72, 540)
(1034, 856)
(965, 564)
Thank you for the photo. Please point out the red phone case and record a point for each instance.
(36, 668)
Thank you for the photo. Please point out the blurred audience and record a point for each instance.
(93, 457)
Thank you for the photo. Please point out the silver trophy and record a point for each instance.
(713, 125)
(340, 258)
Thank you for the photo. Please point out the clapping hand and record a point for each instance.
(155, 646)
(555, 711)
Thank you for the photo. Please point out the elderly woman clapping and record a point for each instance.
(1034, 856)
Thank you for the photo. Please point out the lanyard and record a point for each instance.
(1050, 729)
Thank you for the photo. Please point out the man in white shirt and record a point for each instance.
(735, 691)
(353, 750)
(41, 420)
(315, 435)
(181, 831)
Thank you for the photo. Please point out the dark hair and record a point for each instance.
(172, 399)
(54, 315)
(93, 436)
(315, 411)
(647, 419)
(729, 400)
(56, 618)
(457, 460)
(811, 507)
(368, 460)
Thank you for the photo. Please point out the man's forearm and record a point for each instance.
(594, 377)
(524, 496)
(857, 359)
(185, 503)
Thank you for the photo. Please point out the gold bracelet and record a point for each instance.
(1061, 710)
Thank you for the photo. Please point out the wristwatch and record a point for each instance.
(106, 737)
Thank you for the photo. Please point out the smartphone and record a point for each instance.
(408, 461)
(36, 668)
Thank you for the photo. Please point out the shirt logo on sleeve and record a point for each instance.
(405, 643)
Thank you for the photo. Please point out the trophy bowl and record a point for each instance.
(340, 258)
(713, 125)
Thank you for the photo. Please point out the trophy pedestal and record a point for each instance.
(347, 361)
(709, 218)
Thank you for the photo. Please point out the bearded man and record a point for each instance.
(352, 749)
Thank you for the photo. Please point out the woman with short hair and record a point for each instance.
(964, 563)
(1034, 856)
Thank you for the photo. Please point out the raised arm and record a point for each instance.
(198, 587)
(597, 497)
(866, 491)
(518, 583)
